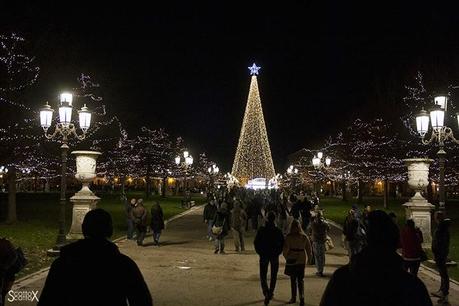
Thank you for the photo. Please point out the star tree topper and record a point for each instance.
(254, 69)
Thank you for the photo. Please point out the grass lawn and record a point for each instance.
(336, 210)
(37, 228)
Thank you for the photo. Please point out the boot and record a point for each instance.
(301, 301)
(292, 300)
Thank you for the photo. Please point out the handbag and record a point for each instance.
(217, 230)
(329, 243)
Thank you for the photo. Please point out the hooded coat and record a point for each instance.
(94, 272)
(375, 277)
(440, 240)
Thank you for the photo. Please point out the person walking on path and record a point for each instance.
(376, 275)
(157, 222)
(92, 271)
(411, 242)
(319, 231)
(238, 221)
(139, 215)
(440, 250)
(221, 227)
(295, 250)
(354, 232)
(268, 243)
(128, 206)
(210, 211)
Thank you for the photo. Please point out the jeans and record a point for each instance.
(238, 237)
(412, 266)
(319, 255)
(219, 243)
(441, 265)
(297, 280)
(210, 223)
(130, 228)
(264, 262)
(141, 232)
(156, 236)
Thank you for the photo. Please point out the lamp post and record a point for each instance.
(3, 172)
(185, 164)
(292, 172)
(64, 128)
(213, 171)
(319, 162)
(440, 134)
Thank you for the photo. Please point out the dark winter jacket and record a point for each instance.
(94, 272)
(375, 277)
(222, 219)
(440, 240)
(139, 215)
(410, 241)
(319, 229)
(157, 218)
(209, 212)
(238, 217)
(269, 241)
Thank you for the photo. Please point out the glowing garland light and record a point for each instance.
(253, 155)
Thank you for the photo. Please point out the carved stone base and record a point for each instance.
(419, 210)
(83, 201)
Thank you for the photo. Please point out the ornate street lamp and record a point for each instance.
(185, 164)
(64, 128)
(213, 171)
(440, 133)
(318, 163)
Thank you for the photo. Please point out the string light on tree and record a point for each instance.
(253, 155)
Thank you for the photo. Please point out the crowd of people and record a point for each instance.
(289, 225)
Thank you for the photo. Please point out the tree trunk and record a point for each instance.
(386, 193)
(123, 184)
(11, 215)
(164, 187)
(344, 190)
(360, 192)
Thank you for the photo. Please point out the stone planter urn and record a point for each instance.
(417, 208)
(84, 200)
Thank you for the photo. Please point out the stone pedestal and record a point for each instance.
(84, 200)
(418, 208)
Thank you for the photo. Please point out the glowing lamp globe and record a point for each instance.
(66, 98)
(422, 123)
(189, 160)
(316, 162)
(442, 101)
(437, 118)
(177, 160)
(186, 154)
(320, 155)
(85, 118)
(65, 114)
(327, 161)
(46, 115)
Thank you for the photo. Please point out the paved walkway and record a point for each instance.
(184, 270)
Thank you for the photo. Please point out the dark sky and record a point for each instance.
(184, 68)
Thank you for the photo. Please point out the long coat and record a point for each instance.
(157, 218)
(297, 247)
(222, 218)
(93, 272)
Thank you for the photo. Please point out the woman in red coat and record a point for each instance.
(411, 240)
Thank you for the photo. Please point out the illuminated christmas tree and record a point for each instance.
(253, 156)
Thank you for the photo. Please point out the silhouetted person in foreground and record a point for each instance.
(268, 245)
(92, 271)
(440, 250)
(376, 276)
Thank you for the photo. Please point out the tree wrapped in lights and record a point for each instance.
(253, 155)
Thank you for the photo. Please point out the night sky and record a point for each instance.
(184, 68)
